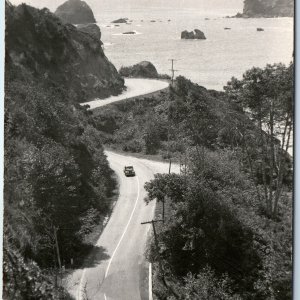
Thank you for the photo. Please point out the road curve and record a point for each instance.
(135, 87)
(115, 268)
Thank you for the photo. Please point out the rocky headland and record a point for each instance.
(58, 54)
(267, 9)
(192, 35)
(75, 12)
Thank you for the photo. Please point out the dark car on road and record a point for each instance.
(129, 171)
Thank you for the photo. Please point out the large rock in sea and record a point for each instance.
(129, 32)
(144, 69)
(58, 54)
(75, 12)
(91, 29)
(187, 35)
(120, 21)
(191, 35)
(267, 8)
(199, 35)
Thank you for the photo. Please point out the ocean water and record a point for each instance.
(211, 62)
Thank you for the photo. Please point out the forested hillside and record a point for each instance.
(168, 122)
(57, 181)
(228, 214)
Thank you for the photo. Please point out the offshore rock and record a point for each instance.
(199, 35)
(144, 69)
(196, 34)
(120, 21)
(75, 12)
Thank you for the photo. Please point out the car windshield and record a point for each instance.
(129, 168)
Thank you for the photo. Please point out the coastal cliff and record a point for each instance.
(40, 46)
(267, 8)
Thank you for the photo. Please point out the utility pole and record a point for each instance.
(185, 167)
(163, 212)
(156, 243)
(159, 259)
(55, 229)
(170, 164)
(172, 70)
(172, 79)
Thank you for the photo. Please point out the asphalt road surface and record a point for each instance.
(116, 268)
(135, 87)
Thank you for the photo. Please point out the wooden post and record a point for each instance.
(180, 165)
(163, 212)
(156, 244)
(55, 269)
(57, 252)
(172, 70)
(57, 248)
(185, 166)
(159, 258)
(157, 249)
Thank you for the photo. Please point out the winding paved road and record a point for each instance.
(135, 87)
(116, 268)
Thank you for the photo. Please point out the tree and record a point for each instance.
(57, 180)
(214, 220)
(154, 132)
(267, 96)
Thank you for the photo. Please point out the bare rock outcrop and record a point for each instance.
(144, 69)
(192, 35)
(75, 12)
(267, 9)
(91, 29)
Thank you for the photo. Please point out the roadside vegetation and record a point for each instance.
(57, 181)
(57, 187)
(227, 231)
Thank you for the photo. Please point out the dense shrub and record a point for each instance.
(56, 181)
(214, 220)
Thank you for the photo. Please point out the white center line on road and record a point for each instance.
(136, 201)
(80, 288)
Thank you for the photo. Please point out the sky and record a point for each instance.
(98, 5)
